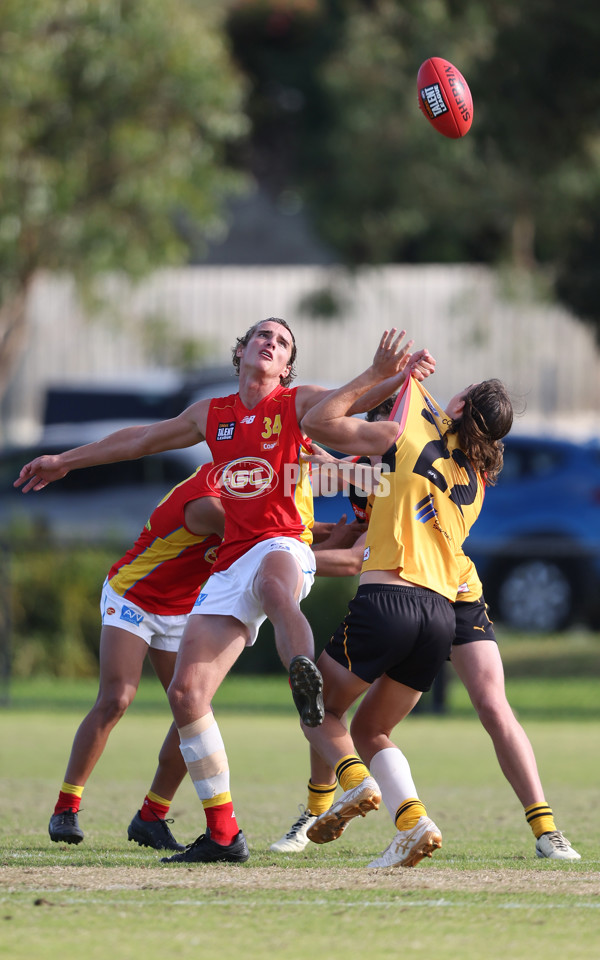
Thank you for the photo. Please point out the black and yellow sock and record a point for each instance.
(540, 818)
(408, 814)
(320, 797)
(350, 772)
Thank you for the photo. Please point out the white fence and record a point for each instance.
(475, 321)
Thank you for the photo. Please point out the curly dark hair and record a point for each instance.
(242, 341)
(487, 417)
(382, 411)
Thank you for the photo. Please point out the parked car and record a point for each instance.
(155, 396)
(536, 543)
(110, 502)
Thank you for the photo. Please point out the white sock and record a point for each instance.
(392, 772)
(203, 750)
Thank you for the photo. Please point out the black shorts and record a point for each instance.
(404, 632)
(472, 622)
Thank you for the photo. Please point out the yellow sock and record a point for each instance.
(408, 814)
(540, 819)
(320, 797)
(350, 771)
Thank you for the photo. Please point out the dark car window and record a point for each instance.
(162, 470)
(545, 461)
(531, 461)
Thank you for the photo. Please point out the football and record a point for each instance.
(444, 97)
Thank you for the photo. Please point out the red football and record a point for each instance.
(444, 97)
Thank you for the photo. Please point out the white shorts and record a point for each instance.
(230, 593)
(160, 633)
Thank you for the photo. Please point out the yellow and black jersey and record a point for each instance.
(428, 498)
(470, 588)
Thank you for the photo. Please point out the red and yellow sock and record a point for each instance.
(220, 819)
(69, 798)
(320, 797)
(154, 807)
(409, 813)
(540, 818)
(350, 772)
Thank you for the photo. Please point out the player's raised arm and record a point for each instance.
(420, 364)
(329, 422)
(130, 443)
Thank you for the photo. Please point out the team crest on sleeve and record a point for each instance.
(225, 431)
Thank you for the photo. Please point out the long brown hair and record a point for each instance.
(487, 417)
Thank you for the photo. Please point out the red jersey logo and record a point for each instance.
(245, 478)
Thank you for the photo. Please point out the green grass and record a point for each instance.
(483, 895)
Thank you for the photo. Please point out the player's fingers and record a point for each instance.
(395, 345)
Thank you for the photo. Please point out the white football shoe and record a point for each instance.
(353, 803)
(555, 846)
(295, 840)
(408, 847)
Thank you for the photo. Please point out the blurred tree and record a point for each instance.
(335, 118)
(115, 115)
(540, 90)
(281, 45)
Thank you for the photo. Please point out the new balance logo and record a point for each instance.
(248, 419)
(131, 616)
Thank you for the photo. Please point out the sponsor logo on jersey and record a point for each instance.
(211, 554)
(425, 508)
(131, 616)
(269, 446)
(244, 478)
(367, 553)
(225, 431)
(248, 419)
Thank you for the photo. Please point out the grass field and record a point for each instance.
(484, 895)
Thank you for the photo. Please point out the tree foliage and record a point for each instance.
(380, 184)
(115, 115)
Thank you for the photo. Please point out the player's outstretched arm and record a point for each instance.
(341, 562)
(419, 364)
(328, 421)
(130, 443)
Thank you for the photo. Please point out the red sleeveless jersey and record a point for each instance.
(265, 489)
(164, 570)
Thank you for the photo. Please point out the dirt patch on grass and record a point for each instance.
(220, 876)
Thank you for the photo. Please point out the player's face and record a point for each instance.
(456, 405)
(269, 349)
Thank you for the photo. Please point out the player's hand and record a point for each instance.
(421, 364)
(342, 535)
(40, 472)
(318, 455)
(391, 357)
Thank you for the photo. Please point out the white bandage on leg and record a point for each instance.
(392, 772)
(203, 750)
